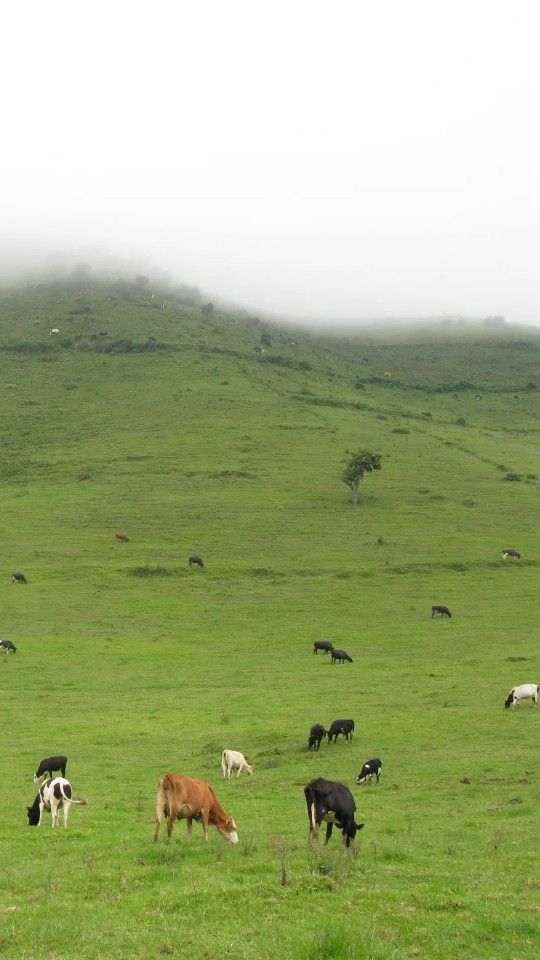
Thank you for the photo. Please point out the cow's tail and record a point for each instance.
(223, 764)
(81, 803)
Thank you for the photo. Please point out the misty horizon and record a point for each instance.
(376, 163)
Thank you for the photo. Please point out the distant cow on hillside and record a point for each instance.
(195, 561)
(18, 578)
(443, 611)
(524, 692)
(323, 645)
(371, 768)
(234, 760)
(511, 555)
(340, 656)
(48, 766)
(121, 537)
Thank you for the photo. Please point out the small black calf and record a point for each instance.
(334, 803)
(346, 727)
(323, 645)
(195, 561)
(371, 768)
(316, 734)
(48, 766)
(444, 611)
(18, 578)
(339, 656)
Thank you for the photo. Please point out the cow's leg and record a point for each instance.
(65, 811)
(170, 824)
(189, 827)
(238, 772)
(41, 809)
(329, 828)
(204, 821)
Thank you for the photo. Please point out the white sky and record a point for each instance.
(339, 159)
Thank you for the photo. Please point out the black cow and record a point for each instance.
(316, 734)
(444, 611)
(323, 645)
(48, 766)
(18, 578)
(371, 768)
(346, 727)
(8, 646)
(334, 803)
(339, 656)
(195, 561)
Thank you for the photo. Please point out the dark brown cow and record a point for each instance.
(121, 537)
(183, 798)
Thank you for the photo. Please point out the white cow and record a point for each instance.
(525, 692)
(234, 760)
(54, 330)
(53, 795)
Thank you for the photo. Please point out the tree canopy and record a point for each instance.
(360, 462)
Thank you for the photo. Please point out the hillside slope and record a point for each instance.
(225, 435)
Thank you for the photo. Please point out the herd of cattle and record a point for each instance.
(185, 798)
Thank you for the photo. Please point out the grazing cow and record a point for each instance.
(339, 656)
(234, 760)
(511, 554)
(316, 735)
(8, 646)
(323, 645)
(48, 766)
(18, 578)
(346, 727)
(523, 692)
(443, 611)
(54, 330)
(53, 795)
(196, 561)
(182, 798)
(334, 803)
(121, 537)
(371, 768)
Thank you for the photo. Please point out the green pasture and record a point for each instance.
(177, 429)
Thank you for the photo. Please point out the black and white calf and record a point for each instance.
(524, 692)
(53, 795)
(334, 803)
(18, 578)
(346, 727)
(8, 646)
(316, 735)
(443, 611)
(371, 768)
(511, 555)
(49, 766)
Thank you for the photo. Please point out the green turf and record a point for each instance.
(134, 665)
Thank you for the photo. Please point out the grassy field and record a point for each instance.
(177, 429)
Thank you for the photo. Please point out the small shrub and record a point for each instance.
(400, 430)
(427, 415)
(531, 476)
(513, 477)
(148, 571)
(469, 503)
(460, 421)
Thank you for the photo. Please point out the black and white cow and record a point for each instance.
(525, 691)
(8, 646)
(195, 561)
(371, 768)
(339, 656)
(511, 554)
(316, 735)
(48, 766)
(443, 611)
(346, 727)
(323, 645)
(334, 803)
(53, 795)
(18, 578)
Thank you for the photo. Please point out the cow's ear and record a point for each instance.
(359, 825)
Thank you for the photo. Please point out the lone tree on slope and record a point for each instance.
(361, 462)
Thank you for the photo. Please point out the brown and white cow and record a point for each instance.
(183, 798)
(121, 537)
